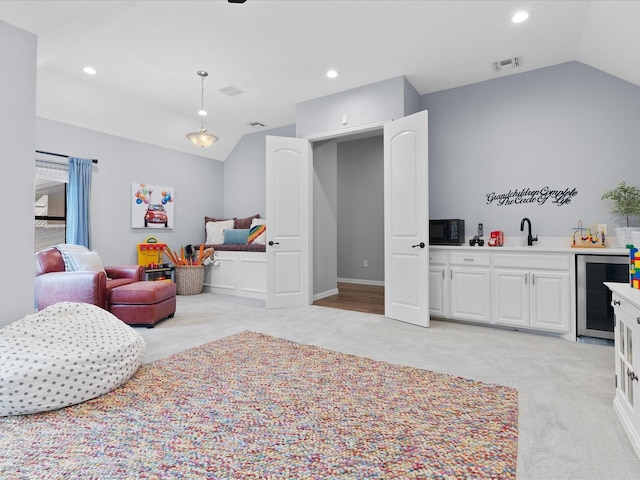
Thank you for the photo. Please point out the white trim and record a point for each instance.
(379, 283)
(328, 293)
(347, 131)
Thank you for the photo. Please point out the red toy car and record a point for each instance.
(156, 214)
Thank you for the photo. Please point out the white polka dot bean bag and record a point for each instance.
(65, 354)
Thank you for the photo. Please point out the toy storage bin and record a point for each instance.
(189, 279)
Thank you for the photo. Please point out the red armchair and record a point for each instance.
(54, 284)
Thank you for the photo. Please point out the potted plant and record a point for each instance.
(626, 200)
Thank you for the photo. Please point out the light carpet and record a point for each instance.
(255, 406)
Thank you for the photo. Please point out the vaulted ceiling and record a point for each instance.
(276, 53)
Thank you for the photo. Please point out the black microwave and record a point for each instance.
(446, 232)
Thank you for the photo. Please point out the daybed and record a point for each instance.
(240, 266)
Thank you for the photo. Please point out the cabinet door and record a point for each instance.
(626, 340)
(550, 296)
(470, 293)
(510, 297)
(438, 291)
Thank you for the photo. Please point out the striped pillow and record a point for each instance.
(257, 235)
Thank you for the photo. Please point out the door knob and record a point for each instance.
(421, 245)
(271, 242)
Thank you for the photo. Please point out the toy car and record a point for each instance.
(156, 214)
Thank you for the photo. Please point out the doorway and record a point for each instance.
(348, 206)
(292, 242)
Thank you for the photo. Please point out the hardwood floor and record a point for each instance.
(353, 296)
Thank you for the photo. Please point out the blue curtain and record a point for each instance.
(78, 194)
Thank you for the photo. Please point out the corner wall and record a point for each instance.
(17, 145)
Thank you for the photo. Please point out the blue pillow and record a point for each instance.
(235, 236)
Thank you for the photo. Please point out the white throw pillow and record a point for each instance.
(215, 231)
(88, 262)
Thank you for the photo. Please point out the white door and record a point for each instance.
(406, 212)
(288, 216)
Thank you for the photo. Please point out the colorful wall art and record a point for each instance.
(151, 206)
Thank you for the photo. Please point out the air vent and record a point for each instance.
(256, 124)
(514, 62)
(231, 90)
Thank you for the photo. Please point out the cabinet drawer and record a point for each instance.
(625, 306)
(437, 258)
(532, 261)
(470, 259)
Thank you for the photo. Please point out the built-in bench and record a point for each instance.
(238, 269)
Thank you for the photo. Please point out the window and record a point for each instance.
(50, 204)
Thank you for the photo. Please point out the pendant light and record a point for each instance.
(202, 138)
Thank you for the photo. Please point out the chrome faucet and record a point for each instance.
(530, 238)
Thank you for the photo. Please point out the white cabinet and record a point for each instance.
(626, 304)
(532, 291)
(438, 284)
(470, 286)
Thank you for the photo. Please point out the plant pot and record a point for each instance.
(626, 236)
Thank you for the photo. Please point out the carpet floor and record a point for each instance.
(255, 406)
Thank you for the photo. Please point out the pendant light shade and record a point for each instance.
(202, 138)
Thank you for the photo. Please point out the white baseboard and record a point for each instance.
(378, 283)
(328, 293)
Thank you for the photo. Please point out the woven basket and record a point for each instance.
(189, 279)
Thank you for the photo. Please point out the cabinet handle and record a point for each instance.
(616, 302)
(468, 259)
(443, 279)
(533, 279)
(638, 320)
(451, 274)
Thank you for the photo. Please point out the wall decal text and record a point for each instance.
(540, 196)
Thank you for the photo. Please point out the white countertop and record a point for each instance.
(625, 291)
(543, 245)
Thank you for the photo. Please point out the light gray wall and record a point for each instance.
(197, 182)
(412, 99)
(364, 105)
(564, 126)
(361, 209)
(17, 145)
(325, 199)
(245, 174)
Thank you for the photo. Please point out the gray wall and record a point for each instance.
(563, 127)
(245, 174)
(368, 104)
(17, 145)
(198, 185)
(325, 213)
(361, 210)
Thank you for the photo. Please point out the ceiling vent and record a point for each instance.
(231, 90)
(514, 62)
(256, 124)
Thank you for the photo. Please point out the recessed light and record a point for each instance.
(519, 17)
(332, 74)
(89, 70)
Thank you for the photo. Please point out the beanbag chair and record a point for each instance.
(63, 355)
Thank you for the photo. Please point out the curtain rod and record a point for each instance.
(94, 160)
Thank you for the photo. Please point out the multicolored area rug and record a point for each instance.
(255, 406)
